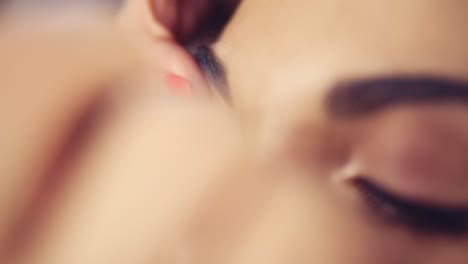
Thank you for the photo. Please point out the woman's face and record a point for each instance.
(368, 100)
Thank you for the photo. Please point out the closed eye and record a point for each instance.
(414, 215)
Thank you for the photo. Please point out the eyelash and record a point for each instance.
(379, 202)
(416, 218)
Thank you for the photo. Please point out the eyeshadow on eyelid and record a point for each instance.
(425, 218)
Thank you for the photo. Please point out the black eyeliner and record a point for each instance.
(419, 217)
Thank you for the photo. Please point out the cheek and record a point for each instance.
(305, 223)
(316, 219)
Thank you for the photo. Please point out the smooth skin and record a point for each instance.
(66, 133)
(124, 196)
(283, 59)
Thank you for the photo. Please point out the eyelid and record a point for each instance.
(417, 217)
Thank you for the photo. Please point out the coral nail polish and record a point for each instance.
(178, 85)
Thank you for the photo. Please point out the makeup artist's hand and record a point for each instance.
(184, 19)
(51, 75)
(163, 28)
(97, 167)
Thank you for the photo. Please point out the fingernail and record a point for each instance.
(178, 85)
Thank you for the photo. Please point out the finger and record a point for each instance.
(188, 21)
(138, 184)
(49, 75)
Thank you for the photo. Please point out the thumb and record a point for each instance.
(181, 20)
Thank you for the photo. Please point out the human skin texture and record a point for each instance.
(284, 60)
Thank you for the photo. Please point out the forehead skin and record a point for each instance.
(281, 57)
(302, 46)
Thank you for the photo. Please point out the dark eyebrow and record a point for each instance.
(212, 67)
(417, 215)
(359, 98)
